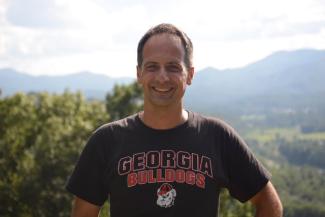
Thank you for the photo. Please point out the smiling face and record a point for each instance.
(163, 73)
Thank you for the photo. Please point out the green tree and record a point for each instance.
(124, 100)
(41, 136)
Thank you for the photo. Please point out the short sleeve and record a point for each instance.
(246, 175)
(88, 180)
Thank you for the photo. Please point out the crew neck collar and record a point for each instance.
(178, 127)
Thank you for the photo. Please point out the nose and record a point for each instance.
(162, 75)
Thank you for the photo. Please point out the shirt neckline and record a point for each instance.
(182, 126)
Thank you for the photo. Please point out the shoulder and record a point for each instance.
(107, 133)
(125, 123)
(214, 123)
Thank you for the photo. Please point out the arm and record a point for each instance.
(267, 202)
(82, 208)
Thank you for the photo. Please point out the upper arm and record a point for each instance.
(89, 177)
(267, 201)
(82, 208)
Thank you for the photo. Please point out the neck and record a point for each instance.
(163, 118)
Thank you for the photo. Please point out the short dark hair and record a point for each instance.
(168, 29)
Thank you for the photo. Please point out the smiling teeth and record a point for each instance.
(161, 89)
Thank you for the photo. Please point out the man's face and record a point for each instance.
(163, 73)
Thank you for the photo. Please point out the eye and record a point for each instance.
(174, 68)
(151, 67)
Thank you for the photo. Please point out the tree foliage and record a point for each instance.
(41, 136)
(124, 100)
(301, 190)
(304, 152)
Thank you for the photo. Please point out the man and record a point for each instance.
(165, 160)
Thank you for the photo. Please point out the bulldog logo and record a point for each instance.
(166, 195)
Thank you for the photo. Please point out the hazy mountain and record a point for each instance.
(93, 85)
(283, 78)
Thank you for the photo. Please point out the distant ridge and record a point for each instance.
(275, 79)
(91, 84)
(283, 78)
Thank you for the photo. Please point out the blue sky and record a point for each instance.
(56, 37)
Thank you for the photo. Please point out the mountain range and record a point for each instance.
(283, 78)
(91, 84)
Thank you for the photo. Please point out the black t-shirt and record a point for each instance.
(174, 172)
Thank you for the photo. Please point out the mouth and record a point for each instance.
(162, 90)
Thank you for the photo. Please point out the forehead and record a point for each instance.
(163, 46)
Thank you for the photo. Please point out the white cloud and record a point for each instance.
(240, 53)
(102, 35)
(3, 8)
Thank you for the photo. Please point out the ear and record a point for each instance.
(190, 74)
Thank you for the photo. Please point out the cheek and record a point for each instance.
(179, 78)
(142, 79)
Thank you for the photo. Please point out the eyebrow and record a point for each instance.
(174, 63)
(150, 62)
(168, 63)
